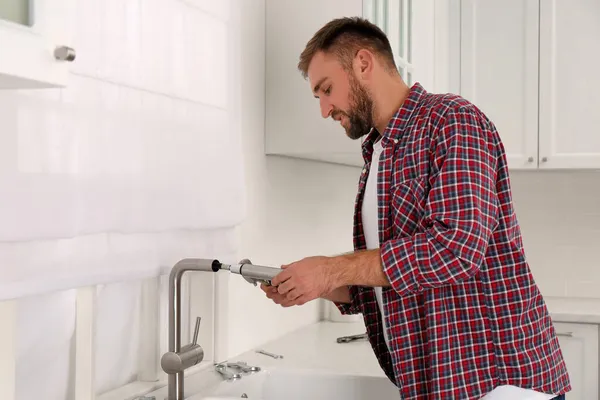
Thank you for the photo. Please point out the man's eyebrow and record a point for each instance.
(318, 85)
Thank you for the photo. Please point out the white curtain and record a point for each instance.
(121, 152)
(135, 165)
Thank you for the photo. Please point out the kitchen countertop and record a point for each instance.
(315, 347)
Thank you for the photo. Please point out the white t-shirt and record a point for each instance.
(370, 221)
(371, 232)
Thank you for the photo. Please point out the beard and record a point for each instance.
(360, 114)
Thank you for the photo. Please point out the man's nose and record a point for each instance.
(326, 108)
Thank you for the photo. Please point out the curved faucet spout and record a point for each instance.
(175, 382)
(188, 264)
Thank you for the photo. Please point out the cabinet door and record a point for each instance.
(579, 345)
(30, 31)
(294, 124)
(569, 84)
(499, 71)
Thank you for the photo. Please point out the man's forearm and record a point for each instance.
(362, 268)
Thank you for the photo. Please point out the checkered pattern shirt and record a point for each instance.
(463, 310)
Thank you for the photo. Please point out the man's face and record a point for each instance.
(341, 95)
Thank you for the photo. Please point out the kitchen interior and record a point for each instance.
(138, 133)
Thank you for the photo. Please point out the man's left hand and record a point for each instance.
(306, 280)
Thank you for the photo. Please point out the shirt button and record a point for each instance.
(395, 141)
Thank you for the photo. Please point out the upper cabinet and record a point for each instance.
(294, 125)
(530, 66)
(499, 71)
(35, 43)
(569, 84)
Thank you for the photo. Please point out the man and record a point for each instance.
(439, 271)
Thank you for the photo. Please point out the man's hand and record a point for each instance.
(339, 295)
(326, 277)
(305, 280)
(274, 295)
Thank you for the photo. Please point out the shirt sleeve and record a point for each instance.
(460, 213)
(353, 307)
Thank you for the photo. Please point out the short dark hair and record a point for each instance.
(344, 37)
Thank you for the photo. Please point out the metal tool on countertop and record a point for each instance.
(352, 338)
(243, 366)
(226, 374)
(254, 274)
(266, 353)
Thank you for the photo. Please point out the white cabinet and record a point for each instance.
(499, 69)
(579, 345)
(294, 125)
(569, 84)
(35, 43)
(530, 66)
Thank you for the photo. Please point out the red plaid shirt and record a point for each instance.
(464, 313)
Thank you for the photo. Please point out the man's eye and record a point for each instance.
(327, 91)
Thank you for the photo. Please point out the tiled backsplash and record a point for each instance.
(559, 213)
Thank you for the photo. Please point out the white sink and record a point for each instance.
(292, 384)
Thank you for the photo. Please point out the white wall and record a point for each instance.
(295, 208)
(559, 213)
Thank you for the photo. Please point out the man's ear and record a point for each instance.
(364, 62)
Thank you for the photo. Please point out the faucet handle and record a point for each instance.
(189, 355)
(196, 331)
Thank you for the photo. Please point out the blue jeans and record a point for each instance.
(561, 397)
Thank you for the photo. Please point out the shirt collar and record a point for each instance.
(397, 124)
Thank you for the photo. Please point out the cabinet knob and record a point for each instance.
(64, 53)
(530, 160)
(544, 159)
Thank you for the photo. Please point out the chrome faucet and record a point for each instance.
(179, 358)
